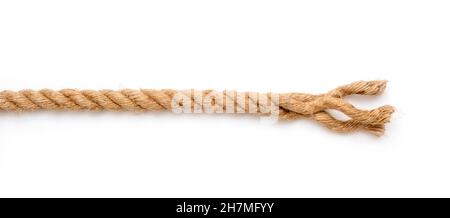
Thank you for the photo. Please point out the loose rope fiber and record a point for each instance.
(291, 106)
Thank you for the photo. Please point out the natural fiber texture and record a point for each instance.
(291, 105)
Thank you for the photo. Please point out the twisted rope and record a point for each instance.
(291, 105)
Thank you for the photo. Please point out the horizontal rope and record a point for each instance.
(291, 106)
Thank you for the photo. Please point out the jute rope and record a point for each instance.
(291, 105)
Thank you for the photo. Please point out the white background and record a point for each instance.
(279, 46)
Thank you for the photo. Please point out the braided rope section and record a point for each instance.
(291, 106)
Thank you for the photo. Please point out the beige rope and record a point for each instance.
(291, 105)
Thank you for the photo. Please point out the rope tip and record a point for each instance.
(378, 128)
(375, 87)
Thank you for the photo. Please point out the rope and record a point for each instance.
(291, 106)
